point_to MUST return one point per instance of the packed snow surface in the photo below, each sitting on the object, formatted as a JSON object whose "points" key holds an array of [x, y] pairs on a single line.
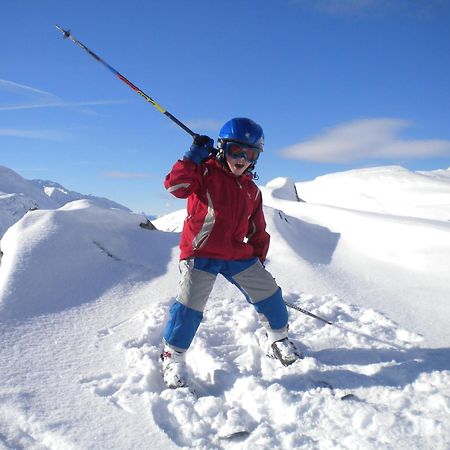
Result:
{"points": [[85, 292]]}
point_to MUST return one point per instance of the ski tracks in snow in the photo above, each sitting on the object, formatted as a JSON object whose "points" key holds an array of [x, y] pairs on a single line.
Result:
{"points": [[239, 390]]}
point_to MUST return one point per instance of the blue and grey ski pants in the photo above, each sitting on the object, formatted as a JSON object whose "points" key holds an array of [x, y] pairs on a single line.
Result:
{"points": [[197, 280]]}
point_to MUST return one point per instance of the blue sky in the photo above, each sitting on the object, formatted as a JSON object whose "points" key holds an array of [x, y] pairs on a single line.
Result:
{"points": [[336, 84]]}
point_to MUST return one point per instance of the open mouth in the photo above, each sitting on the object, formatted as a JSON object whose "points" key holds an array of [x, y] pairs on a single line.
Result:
{"points": [[239, 165]]}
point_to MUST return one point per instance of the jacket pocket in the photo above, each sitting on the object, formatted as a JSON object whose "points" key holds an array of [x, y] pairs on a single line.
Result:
{"points": [[200, 240]]}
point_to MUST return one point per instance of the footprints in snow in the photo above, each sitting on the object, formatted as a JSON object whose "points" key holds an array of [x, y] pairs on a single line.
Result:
{"points": [[235, 379], [19, 429]]}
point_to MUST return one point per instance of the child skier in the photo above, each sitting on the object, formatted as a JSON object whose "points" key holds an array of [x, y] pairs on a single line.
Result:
{"points": [[224, 232]]}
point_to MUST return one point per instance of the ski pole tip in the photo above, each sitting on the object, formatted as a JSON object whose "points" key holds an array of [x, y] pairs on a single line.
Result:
{"points": [[66, 33]]}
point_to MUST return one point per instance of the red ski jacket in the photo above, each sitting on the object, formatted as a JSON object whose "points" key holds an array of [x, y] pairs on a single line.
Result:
{"points": [[225, 217]]}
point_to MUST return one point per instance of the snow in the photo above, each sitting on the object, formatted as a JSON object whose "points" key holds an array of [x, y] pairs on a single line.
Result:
{"points": [[61, 195], [85, 291], [18, 195], [387, 190]]}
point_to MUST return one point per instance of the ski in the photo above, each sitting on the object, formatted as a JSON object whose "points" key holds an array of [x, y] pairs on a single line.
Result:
{"points": [[238, 425], [238, 434], [321, 384]]}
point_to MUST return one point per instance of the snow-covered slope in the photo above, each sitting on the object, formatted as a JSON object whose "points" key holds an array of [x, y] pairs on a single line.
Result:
{"points": [[387, 190], [85, 292], [171, 222], [392, 263]]}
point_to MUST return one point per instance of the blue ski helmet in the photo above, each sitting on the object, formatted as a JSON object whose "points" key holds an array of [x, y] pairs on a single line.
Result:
{"points": [[243, 131]]}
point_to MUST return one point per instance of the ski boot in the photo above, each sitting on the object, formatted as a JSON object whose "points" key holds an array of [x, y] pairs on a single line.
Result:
{"points": [[285, 351], [174, 368], [280, 347]]}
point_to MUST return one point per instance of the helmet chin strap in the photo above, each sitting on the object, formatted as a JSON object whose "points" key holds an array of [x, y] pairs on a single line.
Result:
{"points": [[250, 170]]}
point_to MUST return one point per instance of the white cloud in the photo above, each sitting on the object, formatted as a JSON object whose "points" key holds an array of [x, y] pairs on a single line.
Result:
{"points": [[59, 104], [367, 8], [49, 135], [22, 88], [365, 139], [42, 99]]}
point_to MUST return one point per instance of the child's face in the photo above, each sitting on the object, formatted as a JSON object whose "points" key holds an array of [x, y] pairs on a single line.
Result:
{"points": [[237, 166]]}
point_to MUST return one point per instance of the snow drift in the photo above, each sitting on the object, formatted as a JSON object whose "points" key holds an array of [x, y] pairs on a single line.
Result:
{"points": [[55, 259]]}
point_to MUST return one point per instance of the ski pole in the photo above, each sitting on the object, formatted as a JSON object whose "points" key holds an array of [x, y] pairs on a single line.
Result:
{"points": [[307, 313], [68, 34]]}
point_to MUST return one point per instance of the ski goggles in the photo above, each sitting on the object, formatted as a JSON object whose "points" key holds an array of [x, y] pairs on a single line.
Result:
{"points": [[236, 151]]}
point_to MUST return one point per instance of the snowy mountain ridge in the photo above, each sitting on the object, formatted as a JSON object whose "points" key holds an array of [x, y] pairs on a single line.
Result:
{"points": [[62, 196], [85, 293], [18, 195]]}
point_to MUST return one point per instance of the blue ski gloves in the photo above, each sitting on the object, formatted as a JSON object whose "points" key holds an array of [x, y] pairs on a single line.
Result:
{"points": [[201, 149]]}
